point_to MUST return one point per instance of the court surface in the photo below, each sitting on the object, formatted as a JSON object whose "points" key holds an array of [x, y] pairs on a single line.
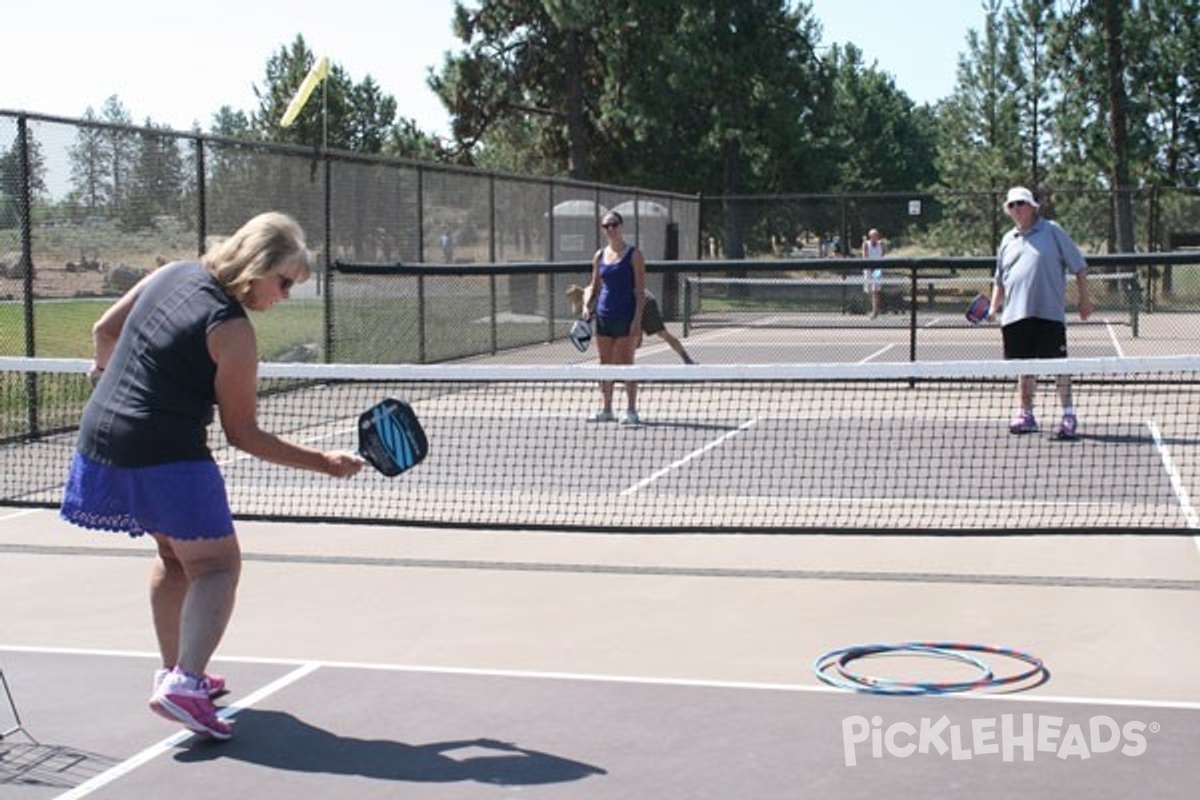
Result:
{"points": [[779, 338], [693, 460], [383, 661]]}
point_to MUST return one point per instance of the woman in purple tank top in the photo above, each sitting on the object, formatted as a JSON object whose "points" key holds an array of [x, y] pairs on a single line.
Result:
{"points": [[619, 284]]}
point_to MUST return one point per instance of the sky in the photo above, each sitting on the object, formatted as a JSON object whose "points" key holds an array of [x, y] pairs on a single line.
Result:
{"points": [[180, 67]]}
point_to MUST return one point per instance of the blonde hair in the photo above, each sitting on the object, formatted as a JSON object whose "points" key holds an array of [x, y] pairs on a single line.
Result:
{"points": [[268, 243]]}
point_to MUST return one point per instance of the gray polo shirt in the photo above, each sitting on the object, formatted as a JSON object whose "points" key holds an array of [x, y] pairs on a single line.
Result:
{"points": [[1032, 268]]}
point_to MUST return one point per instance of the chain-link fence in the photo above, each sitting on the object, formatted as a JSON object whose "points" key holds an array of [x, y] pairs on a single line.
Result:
{"points": [[948, 223], [960, 224], [87, 208]]}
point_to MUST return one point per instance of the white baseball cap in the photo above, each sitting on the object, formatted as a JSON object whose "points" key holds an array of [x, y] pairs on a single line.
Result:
{"points": [[1022, 194]]}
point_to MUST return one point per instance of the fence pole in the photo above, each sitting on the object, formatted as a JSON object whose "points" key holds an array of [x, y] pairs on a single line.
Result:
{"points": [[495, 305], [25, 211], [1135, 301]]}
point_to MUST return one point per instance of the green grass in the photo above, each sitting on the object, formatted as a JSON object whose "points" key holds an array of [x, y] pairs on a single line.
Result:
{"points": [[388, 330], [60, 400], [63, 328], [287, 326], [371, 330]]}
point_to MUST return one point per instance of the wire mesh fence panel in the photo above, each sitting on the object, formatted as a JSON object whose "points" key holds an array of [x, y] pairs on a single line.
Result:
{"points": [[88, 207]]}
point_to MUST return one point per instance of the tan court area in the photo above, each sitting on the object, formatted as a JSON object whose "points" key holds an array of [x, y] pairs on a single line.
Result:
{"points": [[389, 662]]}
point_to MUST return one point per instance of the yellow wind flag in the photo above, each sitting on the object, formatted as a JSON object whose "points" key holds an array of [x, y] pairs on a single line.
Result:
{"points": [[314, 76]]}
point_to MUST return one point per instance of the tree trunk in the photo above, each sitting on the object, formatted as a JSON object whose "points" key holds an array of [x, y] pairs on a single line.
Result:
{"points": [[1122, 199], [732, 180], [577, 137]]}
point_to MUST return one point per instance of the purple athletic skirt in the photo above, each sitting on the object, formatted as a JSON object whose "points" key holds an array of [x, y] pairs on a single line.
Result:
{"points": [[181, 500]]}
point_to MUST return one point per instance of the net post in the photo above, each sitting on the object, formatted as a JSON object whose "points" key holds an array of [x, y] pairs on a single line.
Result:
{"points": [[912, 314], [421, 319], [32, 417], [687, 305], [549, 307], [494, 315], [1135, 301]]}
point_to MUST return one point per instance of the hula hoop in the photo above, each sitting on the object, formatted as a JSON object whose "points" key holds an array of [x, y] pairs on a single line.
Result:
{"points": [[848, 677], [833, 668]]}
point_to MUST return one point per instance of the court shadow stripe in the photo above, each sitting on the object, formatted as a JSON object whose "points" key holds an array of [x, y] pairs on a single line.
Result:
{"points": [[651, 570]]}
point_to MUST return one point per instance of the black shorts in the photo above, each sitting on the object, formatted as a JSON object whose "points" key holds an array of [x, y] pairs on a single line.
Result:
{"points": [[609, 326], [1035, 338], [652, 321]]}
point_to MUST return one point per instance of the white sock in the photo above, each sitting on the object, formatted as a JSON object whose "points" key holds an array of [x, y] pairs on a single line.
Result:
{"points": [[180, 679]]}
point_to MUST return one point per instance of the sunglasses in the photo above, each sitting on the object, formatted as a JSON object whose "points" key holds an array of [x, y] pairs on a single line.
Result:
{"points": [[1016, 204], [610, 225], [286, 283]]}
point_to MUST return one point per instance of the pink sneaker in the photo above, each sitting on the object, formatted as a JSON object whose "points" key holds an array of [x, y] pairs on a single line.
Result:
{"points": [[1068, 429], [1023, 422], [181, 698], [213, 684]]}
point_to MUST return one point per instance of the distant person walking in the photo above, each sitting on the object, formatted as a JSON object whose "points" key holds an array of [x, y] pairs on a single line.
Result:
{"points": [[873, 249], [1030, 285]]}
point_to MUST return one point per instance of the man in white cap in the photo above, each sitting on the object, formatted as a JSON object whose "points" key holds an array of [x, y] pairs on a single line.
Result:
{"points": [[1030, 286]]}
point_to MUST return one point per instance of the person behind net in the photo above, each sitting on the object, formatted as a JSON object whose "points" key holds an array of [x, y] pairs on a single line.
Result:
{"points": [[873, 249], [178, 343], [653, 325], [1030, 285], [618, 284], [652, 321]]}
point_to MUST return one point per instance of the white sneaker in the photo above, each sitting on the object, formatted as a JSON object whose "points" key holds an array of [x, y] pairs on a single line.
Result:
{"points": [[630, 417], [604, 415]]}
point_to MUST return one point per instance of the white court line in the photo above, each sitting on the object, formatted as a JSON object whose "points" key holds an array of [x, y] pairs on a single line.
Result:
{"points": [[643, 680], [308, 666], [734, 330], [877, 353], [1112, 337], [154, 751], [1181, 492], [694, 454], [708, 336], [241, 455], [655, 349], [24, 512]]}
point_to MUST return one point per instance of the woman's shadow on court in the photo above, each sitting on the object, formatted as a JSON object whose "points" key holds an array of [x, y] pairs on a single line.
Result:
{"points": [[281, 741]]}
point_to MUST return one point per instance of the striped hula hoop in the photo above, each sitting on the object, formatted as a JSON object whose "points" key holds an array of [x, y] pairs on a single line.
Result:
{"points": [[833, 668]]}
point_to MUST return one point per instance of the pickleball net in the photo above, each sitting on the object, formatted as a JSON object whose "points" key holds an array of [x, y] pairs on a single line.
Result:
{"points": [[809, 300], [877, 448]]}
